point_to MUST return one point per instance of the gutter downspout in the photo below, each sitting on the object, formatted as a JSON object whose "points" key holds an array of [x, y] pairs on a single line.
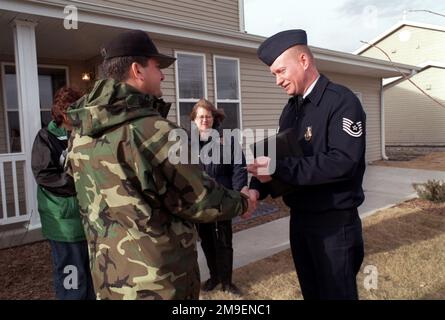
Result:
{"points": [[382, 110], [382, 122]]}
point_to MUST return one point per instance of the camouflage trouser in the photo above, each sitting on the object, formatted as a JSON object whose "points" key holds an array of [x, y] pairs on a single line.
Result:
{"points": [[192, 285], [186, 287]]}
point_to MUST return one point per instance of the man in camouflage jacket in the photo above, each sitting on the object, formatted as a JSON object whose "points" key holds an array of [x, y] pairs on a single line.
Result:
{"points": [[138, 209]]}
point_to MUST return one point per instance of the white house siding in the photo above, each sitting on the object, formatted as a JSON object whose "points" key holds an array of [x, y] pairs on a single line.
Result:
{"points": [[222, 14], [423, 44], [411, 117]]}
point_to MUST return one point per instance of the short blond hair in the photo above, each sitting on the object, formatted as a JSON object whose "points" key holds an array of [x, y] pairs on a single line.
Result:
{"points": [[300, 48]]}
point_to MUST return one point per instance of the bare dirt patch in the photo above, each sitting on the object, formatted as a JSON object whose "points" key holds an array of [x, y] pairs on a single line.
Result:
{"points": [[415, 158], [26, 272]]}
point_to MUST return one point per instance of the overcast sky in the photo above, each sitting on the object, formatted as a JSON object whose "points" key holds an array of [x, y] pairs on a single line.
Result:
{"points": [[337, 25]]}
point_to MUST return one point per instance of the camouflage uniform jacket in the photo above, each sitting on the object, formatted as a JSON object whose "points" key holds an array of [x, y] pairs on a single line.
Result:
{"points": [[138, 209]]}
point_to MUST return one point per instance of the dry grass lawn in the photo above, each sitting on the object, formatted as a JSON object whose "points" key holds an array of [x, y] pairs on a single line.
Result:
{"points": [[405, 243]]}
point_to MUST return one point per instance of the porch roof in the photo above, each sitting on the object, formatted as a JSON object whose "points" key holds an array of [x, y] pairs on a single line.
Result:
{"points": [[98, 24]]}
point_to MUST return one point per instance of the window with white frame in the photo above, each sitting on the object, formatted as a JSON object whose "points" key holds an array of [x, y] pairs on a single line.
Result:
{"points": [[227, 90], [191, 84], [50, 80]]}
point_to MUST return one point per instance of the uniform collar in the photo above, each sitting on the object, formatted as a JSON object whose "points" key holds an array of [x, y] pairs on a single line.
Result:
{"points": [[318, 90], [309, 90]]}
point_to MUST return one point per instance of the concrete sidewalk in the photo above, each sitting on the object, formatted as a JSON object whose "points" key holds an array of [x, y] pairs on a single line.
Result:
{"points": [[383, 186]]}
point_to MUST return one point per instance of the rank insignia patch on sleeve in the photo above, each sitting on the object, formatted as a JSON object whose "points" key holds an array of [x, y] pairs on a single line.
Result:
{"points": [[352, 128]]}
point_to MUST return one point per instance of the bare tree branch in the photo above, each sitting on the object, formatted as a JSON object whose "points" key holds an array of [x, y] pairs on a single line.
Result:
{"points": [[403, 75], [429, 11]]}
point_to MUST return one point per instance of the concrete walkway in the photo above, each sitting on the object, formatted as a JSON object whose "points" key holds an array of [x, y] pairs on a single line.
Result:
{"points": [[384, 187]]}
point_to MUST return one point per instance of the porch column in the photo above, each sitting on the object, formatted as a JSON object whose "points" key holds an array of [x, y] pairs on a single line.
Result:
{"points": [[29, 104]]}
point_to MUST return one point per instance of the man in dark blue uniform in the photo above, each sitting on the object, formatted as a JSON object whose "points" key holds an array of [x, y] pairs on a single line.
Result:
{"points": [[325, 229]]}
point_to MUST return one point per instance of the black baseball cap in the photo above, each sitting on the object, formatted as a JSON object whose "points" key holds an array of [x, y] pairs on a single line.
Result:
{"points": [[135, 43]]}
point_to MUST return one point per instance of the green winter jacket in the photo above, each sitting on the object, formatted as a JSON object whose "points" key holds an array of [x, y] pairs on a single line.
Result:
{"points": [[56, 195]]}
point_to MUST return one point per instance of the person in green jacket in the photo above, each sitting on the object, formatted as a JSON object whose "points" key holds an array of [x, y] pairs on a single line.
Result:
{"points": [[58, 206]]}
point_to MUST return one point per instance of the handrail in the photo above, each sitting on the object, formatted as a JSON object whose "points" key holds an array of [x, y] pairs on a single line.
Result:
{"points": [[7, 157], [13, 159]]}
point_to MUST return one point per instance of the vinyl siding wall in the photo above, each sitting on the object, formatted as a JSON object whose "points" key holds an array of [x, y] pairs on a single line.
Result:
{"points": [[411, 117], [422, 45], [223, 14], [262, 101]]}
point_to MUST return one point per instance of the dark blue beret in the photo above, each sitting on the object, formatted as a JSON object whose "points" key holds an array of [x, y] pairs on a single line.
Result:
{"points": [[135, 43], [275, 45]]}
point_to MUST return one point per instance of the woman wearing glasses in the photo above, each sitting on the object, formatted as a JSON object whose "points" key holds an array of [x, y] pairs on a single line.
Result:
{"points": [[216, 237]]}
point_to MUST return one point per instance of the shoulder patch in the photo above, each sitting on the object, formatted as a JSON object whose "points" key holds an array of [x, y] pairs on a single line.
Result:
{"points": [[354, 129]]}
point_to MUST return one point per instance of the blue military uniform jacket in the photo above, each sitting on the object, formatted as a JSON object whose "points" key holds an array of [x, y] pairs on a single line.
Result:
{"points": [[231, 175], [331, 127]]}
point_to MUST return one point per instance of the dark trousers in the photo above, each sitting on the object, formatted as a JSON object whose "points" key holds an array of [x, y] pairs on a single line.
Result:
{"points": [[327, 256], [216, 242], [71, 271]]}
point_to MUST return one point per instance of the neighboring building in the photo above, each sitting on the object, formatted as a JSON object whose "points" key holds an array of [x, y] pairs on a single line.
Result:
{"points": [[411, 117], [216, 59]]}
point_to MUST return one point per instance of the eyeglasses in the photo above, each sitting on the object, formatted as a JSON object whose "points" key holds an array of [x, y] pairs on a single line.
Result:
{"points": [[205, 117]]}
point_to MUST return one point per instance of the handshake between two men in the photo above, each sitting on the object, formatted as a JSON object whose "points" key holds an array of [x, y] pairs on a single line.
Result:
{"points": [[260, 169]]}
